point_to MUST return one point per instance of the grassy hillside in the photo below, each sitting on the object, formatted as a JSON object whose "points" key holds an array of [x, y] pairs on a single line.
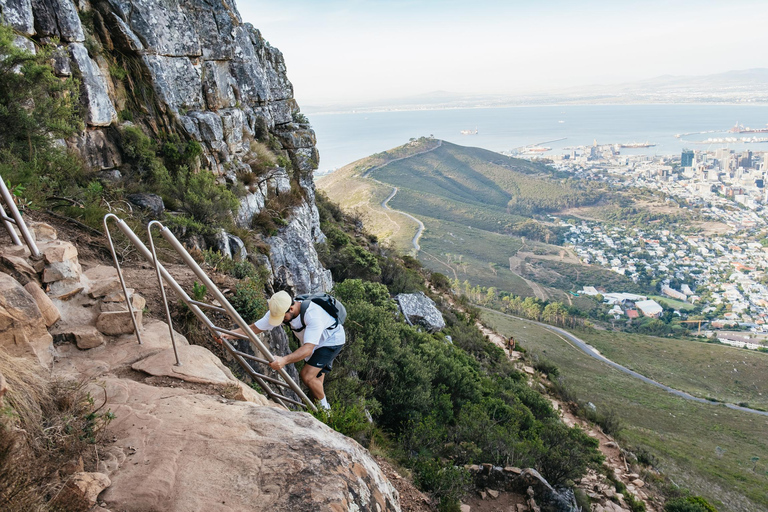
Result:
{"points": [[472, 203], [717, 452]]}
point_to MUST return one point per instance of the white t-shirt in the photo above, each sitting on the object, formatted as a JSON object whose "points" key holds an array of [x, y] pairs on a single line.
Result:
{"points": [[317, 333]]}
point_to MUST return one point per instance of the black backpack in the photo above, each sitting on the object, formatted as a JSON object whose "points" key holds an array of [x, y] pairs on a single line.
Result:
{"points": [[330, 304]]}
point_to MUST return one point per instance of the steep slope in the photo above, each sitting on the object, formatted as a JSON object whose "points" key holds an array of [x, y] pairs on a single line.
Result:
{"points": [[188, 437], [191, 74]]}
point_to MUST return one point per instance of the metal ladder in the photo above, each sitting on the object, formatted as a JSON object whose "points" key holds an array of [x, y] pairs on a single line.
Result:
{"points": [[16, 219], [195, 306]]}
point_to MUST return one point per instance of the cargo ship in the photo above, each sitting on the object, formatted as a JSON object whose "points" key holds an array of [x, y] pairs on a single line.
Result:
{"points": [[637, 145], [740, 128]]}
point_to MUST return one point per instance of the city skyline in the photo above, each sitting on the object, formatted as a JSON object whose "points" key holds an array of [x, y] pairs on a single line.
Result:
{"points": [[342, 51]]}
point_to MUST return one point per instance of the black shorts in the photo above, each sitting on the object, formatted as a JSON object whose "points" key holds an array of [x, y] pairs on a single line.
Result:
{"points": [[323, 358]]}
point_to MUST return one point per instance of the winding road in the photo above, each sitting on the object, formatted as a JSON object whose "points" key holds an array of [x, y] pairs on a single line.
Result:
{"points": [[591, 351], [419, 231]]}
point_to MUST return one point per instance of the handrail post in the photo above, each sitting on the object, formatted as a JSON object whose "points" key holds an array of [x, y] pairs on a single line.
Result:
{"points": [[9, 225], [8, 198], [128, 300], [162, 288]]}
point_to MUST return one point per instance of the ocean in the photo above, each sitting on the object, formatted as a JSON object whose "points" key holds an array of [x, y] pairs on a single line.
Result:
{"points": [[344, 138]]}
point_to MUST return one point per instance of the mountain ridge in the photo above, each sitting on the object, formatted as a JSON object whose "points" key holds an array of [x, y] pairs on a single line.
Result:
{"points": [[737, 86]]}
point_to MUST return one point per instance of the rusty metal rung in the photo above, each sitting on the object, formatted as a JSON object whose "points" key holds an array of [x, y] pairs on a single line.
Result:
{"points": [[227, 331], [272, 380], [208, 306], [252, 358], [290, 401]]}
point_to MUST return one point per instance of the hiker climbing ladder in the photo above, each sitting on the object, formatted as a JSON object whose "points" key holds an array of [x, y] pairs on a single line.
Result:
{"points": [[196, 307]]}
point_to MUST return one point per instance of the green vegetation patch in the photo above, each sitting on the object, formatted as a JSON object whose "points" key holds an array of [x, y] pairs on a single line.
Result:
{"points": [[706, 448], [706, 370]]}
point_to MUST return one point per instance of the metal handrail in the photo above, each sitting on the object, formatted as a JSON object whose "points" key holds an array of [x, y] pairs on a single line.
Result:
{"points": [[8, 222], [128, 300], [155, 264], [193, 305]]}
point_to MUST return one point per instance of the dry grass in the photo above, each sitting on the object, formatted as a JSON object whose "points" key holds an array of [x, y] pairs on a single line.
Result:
{"points": [[47, 430]]}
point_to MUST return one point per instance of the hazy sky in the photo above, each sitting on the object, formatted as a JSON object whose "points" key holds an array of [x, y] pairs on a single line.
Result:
{"points": [[363, 50]]}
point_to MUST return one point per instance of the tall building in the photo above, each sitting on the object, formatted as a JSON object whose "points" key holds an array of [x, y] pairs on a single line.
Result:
{"points": [[746, 160], [687, 158]]}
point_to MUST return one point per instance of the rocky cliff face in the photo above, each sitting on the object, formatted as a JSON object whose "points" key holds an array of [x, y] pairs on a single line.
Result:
{"points": [[196, 70]]}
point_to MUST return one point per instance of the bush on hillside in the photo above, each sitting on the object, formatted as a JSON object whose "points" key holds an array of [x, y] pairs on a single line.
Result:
{"points": [[689, 504]]}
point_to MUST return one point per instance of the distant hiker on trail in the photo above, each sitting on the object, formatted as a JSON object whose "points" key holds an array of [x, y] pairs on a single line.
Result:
{"points": [[511, 343], [321, 335]]}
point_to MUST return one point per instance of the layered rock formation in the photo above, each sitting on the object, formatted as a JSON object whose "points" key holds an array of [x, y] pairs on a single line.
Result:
{"points": [[196, 70]]}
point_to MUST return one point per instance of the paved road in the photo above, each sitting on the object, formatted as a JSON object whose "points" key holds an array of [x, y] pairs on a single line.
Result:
{"points": [[369, 171], [591, 351], [419, 231]]}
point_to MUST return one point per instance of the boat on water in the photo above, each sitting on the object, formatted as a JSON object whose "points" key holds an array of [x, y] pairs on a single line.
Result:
{"points": [[740, 128], [637, 145], [469, 132]]}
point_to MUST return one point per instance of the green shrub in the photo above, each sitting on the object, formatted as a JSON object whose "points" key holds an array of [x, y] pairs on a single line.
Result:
{"points": [[206, 201], [582, 500], [440, 281], [199, 291], [635, 504], [35, 105], [350, 419], [546, 366], [446, 483], [248, 300], [689, 504], [300, 118]]}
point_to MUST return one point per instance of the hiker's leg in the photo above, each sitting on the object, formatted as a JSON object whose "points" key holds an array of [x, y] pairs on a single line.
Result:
{"points": [[309, 376]]}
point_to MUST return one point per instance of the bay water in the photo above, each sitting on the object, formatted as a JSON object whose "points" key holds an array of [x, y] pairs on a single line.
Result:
{"points": [[346, 137]]}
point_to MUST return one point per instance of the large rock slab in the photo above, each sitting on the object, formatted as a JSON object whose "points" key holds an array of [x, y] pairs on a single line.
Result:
{"points": [[98, 150], [57, 251], [160, 25], [58, 18], [113, 323], [86, 336], [199, 452], [99, 108], [41, 231], [18, 14], [198, 364], [420, 310], [23, 332], [102, 280], [294, 261], [177, 82], [48, 309]]}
